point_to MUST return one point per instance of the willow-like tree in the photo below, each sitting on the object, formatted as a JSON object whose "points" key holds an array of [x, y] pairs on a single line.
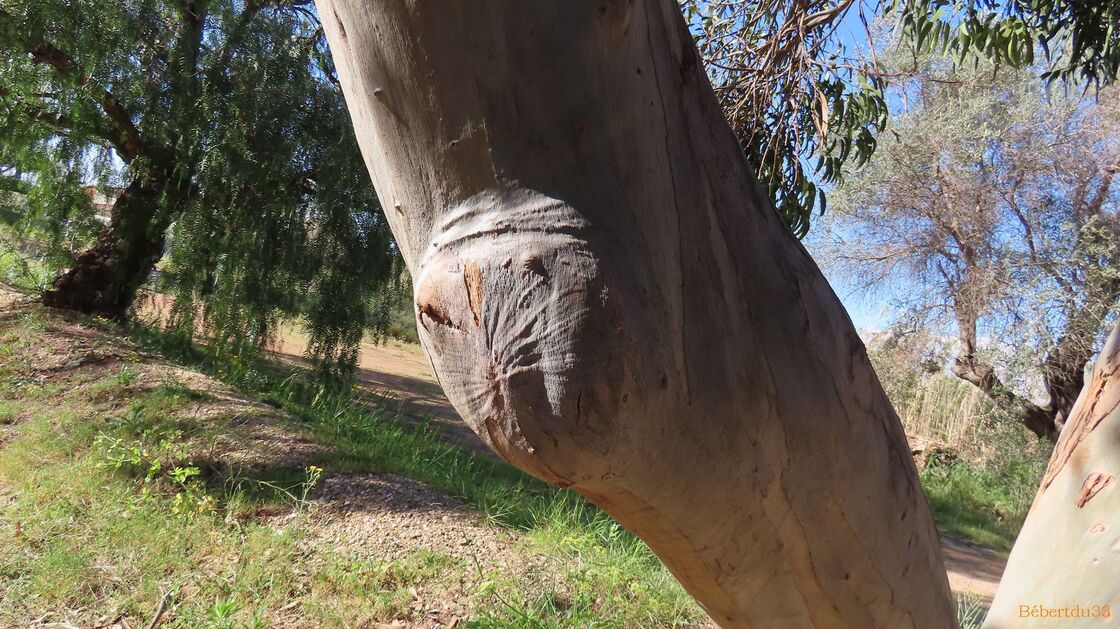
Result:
{"points": [[223, 124]]}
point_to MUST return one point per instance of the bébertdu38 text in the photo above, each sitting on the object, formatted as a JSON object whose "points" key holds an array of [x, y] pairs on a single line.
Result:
{"points": [[1069, 611]]}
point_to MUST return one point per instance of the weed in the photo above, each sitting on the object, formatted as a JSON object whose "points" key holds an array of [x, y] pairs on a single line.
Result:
{"points": [[8, 411], [971, 611], [295, 494], [126, 376], [984, 504]]}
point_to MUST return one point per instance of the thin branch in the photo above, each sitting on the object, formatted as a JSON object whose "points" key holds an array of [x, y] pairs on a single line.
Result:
{"points": [[126, 137], [14, 184]]}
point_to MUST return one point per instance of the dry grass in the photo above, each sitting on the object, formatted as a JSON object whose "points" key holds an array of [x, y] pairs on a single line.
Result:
{"points": [[944, 413]]}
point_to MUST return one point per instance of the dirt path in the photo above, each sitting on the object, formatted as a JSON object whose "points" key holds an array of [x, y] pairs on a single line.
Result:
{"points": [[401, 373]]}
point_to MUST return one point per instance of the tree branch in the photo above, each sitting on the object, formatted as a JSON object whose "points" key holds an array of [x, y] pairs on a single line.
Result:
{"points": [[37, 112], [968, 366], [125, 137], [14, 184]]}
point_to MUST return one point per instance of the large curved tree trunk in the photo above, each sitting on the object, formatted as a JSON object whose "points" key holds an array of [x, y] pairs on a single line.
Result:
{"points": [[610, 302], [1065, 567]]}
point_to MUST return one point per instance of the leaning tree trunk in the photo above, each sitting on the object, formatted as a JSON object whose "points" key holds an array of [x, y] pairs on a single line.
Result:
{"points": [[1065, 567], [104, 279], [611, 303]]}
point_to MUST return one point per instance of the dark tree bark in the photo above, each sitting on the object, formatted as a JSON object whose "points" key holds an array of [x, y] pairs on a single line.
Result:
{"points": [[105, 278]]}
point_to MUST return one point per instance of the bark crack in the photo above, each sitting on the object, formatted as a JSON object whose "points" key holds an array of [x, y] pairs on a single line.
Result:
{"points": [[676, 202]]}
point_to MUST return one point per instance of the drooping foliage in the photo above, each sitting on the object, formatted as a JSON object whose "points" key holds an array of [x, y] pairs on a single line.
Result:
{"points": [[804, 91], [218, 127], [1079, 40], [801, 101]]}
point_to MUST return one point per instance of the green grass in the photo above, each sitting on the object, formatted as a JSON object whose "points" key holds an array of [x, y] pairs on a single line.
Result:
{"points": [[982, 504], [107, 509], [97, 524], [110, 508], [971, 611], [8, 411], [609, 576], [88, 531]]}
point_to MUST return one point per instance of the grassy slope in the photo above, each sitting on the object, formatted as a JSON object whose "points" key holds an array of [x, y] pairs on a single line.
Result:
{"points": [[97, 531]]}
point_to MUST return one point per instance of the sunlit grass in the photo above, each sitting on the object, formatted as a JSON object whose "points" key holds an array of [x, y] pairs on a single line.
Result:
{"points": [[106, 514]]}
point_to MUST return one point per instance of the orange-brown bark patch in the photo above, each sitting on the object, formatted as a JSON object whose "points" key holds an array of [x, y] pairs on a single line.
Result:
{"points": [[472, 277], [1093, 484]]}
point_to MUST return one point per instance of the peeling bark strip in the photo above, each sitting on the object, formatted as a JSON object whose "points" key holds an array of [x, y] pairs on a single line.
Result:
{"points": [[1093, 484], [472, 276], [647, 331]]}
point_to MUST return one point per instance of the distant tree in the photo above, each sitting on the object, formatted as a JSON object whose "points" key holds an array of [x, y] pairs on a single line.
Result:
{"points": [[222, 121], [994, 211], [802, 88]]}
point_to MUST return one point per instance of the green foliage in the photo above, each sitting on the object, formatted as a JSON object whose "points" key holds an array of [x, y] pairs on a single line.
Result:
{"points": [[800, 103], [222, 124], [991, 213], [1081, 41], [982, 503], [23, 272], [804, 103], [399, 316], [980, 470]]}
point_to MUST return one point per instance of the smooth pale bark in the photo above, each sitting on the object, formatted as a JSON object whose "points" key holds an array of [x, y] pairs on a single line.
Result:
{"points": [[1068, 553], [610, 302]]}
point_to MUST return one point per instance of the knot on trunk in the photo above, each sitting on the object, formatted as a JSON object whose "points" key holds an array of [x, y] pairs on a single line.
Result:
{"points": [[512, 277]]}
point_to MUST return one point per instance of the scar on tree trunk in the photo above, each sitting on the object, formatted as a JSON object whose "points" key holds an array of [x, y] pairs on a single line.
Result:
{"points": [[105, 278]]}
